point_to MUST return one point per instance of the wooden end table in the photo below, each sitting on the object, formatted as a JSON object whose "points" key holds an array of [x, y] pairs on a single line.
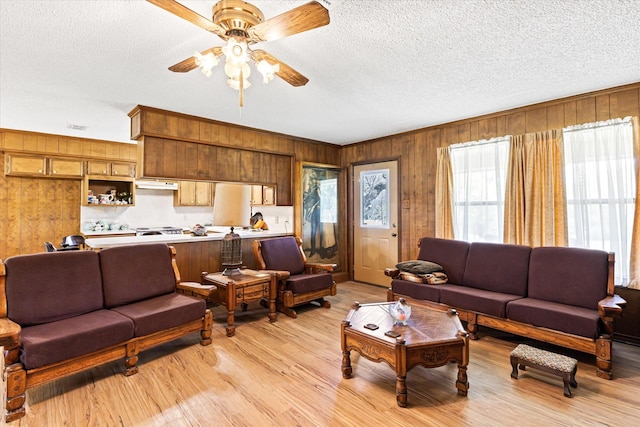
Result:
{"points": [[243, 288], [431, 338]]}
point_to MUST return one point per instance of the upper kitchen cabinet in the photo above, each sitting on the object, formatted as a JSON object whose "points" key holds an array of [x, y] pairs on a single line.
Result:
{"points": [[162, 158], [194, 193], [263, 195], [41, 166], [106, 168]]}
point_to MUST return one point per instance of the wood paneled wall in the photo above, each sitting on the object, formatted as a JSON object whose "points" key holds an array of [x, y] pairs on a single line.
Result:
{"points": [[35, 210], [416, 150], [147, 121]]}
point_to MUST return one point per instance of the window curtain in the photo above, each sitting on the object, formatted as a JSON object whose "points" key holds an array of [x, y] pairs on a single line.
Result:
{"points": [[479, 170], [444, 194], [634, 271], [535, 205], [601, 188]]}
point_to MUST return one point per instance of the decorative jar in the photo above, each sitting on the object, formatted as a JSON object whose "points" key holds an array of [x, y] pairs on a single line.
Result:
{"points": [[400, 311]]}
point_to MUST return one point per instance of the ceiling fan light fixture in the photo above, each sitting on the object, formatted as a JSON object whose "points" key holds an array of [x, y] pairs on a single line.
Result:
{"points": [[236, 50], [267, 70], [205, 62], [235, 83]]}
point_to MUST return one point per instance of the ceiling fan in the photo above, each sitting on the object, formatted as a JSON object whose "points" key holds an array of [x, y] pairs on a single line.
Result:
{"points": [[241, 25]]}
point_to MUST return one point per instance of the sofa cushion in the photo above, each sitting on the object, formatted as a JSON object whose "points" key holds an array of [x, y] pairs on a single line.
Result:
{"points": [[52, 286], [418, 266], [76, 336], [137, 272], [498, 267], [560, 317], [162, 312], [450, 254], [572, 276], [282, 253], [478, 300], [414, 290], [303, 283]]}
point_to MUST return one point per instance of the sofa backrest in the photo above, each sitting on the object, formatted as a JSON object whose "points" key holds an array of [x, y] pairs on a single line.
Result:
{"points": [[136, 272], [50, 286], [571, 276], [282, 253], [450, 254], [498, 267]]}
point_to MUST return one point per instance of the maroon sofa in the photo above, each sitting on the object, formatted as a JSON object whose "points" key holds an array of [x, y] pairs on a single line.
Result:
{"points": [[561, 295], [65, 312]]}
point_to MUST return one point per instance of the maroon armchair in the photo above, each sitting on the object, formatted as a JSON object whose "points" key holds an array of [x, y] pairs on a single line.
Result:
{"points": [[307, 282]]}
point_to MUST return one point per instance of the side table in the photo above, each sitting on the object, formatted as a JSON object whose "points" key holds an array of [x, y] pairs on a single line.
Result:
{"points": [[243, 288]]}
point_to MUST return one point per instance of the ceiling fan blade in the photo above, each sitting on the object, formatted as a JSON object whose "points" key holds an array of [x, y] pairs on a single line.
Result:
{"points": [[187, 14], [190, 63], [286, 73], [302, 18]]}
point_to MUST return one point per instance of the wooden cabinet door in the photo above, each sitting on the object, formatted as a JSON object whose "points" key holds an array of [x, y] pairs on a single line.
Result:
{"points": [[123, 169], [268, 195], [203, 193], [256, 194], [97, 167], [25, 165], [66, 168], [186, 195]]}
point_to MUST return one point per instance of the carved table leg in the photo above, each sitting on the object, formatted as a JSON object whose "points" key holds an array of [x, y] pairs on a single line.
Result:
{"points": [[231, 329], [462, 384], [401, 391], [346, 364]]}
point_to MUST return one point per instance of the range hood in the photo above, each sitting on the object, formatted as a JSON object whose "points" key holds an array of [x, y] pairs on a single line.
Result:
{"points": [[157, 185]]}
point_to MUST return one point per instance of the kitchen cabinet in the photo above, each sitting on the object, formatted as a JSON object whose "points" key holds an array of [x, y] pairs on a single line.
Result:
{"points": [[194, 193], [263, 195], [95, 185], [41, 166], [106, 168]]}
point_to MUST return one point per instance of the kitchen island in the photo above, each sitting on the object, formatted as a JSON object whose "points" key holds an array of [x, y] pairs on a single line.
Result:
{"points": [[194, 254]]}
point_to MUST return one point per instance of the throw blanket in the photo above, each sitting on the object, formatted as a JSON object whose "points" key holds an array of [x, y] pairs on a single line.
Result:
{"points": [[435, 278]]}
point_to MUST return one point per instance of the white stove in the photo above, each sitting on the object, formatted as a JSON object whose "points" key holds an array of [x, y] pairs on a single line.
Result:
{"points": [[146, 231]]}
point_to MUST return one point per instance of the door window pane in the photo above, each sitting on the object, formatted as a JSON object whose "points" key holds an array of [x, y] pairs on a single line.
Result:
{"points": [[374, 198]]}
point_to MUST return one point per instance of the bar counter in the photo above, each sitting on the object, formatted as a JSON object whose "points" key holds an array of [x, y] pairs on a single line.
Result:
{"points": [[194, 254]]}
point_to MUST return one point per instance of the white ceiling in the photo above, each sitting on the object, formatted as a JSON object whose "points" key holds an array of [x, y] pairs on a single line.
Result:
{"points": [[380, 67]]}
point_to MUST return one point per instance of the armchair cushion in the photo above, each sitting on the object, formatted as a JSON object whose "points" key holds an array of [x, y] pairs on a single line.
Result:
{"points": [[137, 272], [282, 253], [303, 283]]}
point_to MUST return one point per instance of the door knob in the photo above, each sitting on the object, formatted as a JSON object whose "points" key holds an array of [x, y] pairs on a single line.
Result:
{"points": [[394, 234]]}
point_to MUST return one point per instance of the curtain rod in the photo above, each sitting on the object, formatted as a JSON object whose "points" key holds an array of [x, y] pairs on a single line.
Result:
{"points": [[618, 122]]}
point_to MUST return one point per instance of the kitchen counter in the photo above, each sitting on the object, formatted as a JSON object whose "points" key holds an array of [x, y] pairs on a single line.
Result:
{"points": [[107, 242]]}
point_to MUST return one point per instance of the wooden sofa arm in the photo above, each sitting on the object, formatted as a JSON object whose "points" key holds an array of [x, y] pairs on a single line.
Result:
{"points": [[10, 335], [611, 306], [316, 267], [391, 272]]}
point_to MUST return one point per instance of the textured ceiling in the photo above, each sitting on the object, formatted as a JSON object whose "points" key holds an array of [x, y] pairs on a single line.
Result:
{"points": [[379, 68]]}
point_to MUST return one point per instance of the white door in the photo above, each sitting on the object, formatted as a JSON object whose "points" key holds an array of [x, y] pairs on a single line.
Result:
{"points": [[375, 210]]}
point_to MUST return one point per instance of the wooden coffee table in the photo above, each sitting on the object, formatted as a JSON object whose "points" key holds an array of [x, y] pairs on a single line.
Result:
{"points": [[249, 286], [431, 339]]}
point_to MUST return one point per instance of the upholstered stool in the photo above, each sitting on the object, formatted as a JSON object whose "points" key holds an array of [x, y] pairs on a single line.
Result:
{"points": [[547, 361]]}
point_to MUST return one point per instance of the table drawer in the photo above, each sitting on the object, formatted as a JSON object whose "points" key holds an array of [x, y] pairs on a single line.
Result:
{"points": [[254, 292]]}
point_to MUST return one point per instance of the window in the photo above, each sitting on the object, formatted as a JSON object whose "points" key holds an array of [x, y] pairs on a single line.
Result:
{"points": [[601, 188], [479, 171], [374, 198]]}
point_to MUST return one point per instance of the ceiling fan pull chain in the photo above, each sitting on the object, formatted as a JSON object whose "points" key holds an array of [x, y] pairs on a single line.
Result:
{"points": [[241, 87]]}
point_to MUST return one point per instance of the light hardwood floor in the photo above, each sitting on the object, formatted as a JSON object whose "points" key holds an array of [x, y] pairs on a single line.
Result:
{"points": [[288, 374]]}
